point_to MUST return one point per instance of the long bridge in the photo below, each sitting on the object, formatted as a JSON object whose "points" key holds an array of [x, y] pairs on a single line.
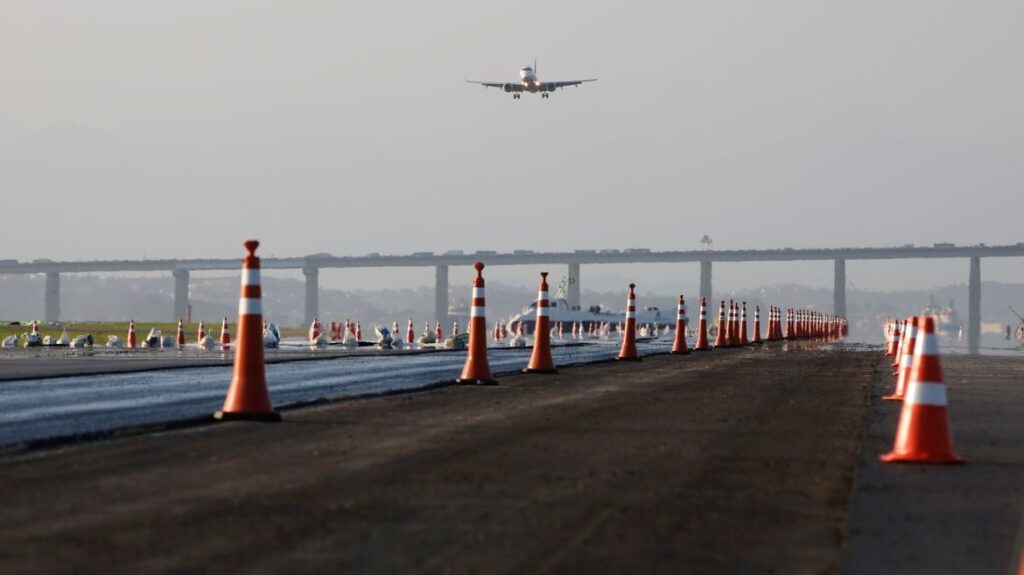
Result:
{"points": [[311, 265]]}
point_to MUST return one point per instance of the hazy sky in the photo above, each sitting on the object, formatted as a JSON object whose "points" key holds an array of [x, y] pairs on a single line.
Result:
{"points": [[175, 129]]}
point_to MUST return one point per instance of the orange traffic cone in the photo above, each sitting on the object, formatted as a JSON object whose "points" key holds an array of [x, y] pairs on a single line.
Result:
{"points": [[628, 351], [180, 336], [540, 359], [225, 336], [702, 328], [35, 327], [720, 338], [476, 370], [743, 325], [736, 339], [679, 344], [248, 397], [202, 331], [131, 333], [757, 326], [899, 345], [438, 335], [727, 341], [455, 328], [894, 336], [923, 434], [906, 361], [410, 334]]}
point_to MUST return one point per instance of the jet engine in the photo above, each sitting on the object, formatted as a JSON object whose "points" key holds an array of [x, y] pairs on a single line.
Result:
{"points": [[507, 87]]}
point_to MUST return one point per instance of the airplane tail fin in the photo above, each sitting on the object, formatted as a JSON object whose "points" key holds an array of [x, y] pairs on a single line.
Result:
{"points": [[535, 68]]}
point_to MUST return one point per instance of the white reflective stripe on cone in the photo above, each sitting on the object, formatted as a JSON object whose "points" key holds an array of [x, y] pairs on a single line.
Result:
{"points": [[926, 393], [250, 276], [478, 292], [542, 295], [542, 312], [929, 345], [476, 311], [250, 306]]}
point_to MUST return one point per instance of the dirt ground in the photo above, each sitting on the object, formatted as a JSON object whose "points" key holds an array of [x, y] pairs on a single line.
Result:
{"points": [[736, 461]]}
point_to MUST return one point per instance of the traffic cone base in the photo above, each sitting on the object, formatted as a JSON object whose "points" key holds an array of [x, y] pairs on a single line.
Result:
{"points": [[932, 447], [243, 416], [540, 370]]}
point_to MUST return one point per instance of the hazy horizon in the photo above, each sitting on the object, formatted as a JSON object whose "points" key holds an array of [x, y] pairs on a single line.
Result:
{"points": [[174, 131]]}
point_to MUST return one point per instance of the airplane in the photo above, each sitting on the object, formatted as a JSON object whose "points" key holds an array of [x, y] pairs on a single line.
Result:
{"points": [[528, 82]]}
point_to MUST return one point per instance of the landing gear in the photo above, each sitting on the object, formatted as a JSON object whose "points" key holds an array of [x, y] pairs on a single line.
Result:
{"points": [[545, 95], [516, 96]]}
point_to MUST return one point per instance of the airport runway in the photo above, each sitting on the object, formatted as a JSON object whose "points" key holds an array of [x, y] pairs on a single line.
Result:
{"points": [[755, 460], [40, 409]]}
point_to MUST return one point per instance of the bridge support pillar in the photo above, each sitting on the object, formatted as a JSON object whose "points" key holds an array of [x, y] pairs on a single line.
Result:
{"points": [[705, 282], [312, 293], [974, 306], [839, 289], [572, 295], [51, 307], [441, 296], [180, 294]]}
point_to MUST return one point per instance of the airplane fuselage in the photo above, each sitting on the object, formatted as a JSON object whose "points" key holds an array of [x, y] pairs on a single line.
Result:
{"points": [[528, 78]]}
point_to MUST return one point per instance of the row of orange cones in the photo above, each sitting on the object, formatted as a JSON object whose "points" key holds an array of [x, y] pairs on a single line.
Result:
{"points": [[923, 434], [225, 335], [249, 398], [732, 326]]}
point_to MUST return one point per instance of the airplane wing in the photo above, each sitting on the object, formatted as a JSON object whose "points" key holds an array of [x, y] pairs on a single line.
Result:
{"points": [[565, 83], [514, 86]]}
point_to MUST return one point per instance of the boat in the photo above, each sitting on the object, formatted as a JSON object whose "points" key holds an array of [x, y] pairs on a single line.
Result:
{"points": [[559, 310], [1019, 334], [947, 321]]}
